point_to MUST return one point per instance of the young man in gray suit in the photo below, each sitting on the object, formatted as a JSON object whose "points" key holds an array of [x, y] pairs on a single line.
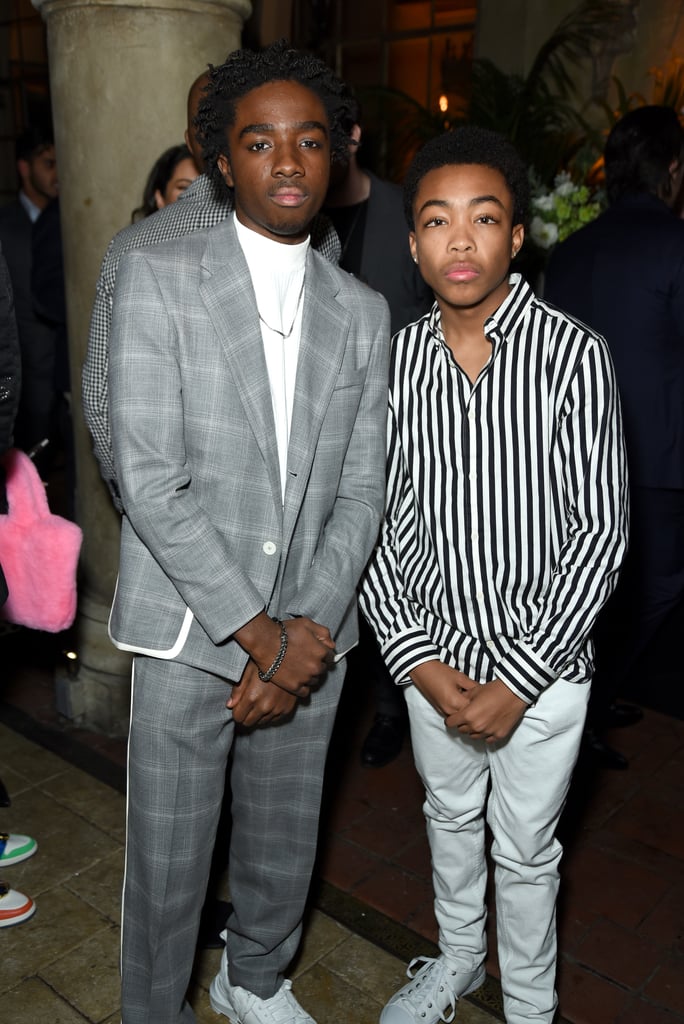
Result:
{"points": [[201, 206], [248, 396]]}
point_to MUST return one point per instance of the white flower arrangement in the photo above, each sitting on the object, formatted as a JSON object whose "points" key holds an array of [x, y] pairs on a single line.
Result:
{"points": [[558, 213]]}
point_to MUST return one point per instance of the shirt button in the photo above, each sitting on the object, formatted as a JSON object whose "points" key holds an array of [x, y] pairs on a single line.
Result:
{"points": [[480, 595], [269, 548], [474, 535], [471, 414], [490, 644]]}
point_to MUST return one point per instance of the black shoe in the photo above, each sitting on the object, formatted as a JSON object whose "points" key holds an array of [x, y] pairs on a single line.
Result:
{"points": [[620, 715], [384, 740], [605, 756], [4, 795]]}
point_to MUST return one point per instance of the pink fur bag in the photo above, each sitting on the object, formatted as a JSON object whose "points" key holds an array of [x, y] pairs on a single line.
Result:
{"points": [[38, 552]]}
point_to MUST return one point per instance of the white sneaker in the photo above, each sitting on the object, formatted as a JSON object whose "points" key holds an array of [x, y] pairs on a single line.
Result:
{"points": [[15, 848], [243, 1007], [14, 906], [432, 994]]}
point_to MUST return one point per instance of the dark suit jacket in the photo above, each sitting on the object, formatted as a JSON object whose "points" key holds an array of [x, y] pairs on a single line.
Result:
{"points": [[10, 383], [10, 367], [386, 264], [36, 337], [623, 275], [47, 286]]}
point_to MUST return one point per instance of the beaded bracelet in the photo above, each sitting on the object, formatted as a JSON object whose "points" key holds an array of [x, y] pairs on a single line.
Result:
{"points": [[267, 676]]}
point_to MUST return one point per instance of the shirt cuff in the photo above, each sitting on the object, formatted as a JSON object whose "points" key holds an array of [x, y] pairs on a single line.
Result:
{"points": [[524, 673], [405, 651]]}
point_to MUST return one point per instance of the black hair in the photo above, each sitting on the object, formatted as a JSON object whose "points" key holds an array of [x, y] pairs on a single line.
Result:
{"points": [[351, 113], [640, 150], [159, 177], [470, 144], [245, 70], [33, 141]]}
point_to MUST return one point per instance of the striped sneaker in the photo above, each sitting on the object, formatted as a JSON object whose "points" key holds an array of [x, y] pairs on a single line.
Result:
{"points": [[14, 906], [14, 848]]}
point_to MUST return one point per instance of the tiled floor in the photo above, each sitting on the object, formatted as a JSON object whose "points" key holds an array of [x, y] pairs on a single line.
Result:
{"points": [[621, 915], [61, 966]]}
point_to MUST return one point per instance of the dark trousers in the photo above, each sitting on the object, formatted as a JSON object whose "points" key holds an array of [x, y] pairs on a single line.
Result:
{"points": [[389, 698], [651, 585]]}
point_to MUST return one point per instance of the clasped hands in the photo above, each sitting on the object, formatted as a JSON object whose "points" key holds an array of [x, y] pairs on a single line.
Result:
{"points": [[482, 711], [309, 650]]}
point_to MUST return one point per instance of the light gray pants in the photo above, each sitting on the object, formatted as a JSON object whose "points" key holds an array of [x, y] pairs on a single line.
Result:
{"points": [[529, 775], [181, 736]]}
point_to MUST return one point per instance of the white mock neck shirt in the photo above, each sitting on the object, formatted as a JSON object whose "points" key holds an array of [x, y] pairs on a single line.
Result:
{"points": [[277, 272]]}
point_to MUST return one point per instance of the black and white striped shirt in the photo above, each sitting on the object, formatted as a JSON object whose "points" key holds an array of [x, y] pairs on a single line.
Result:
{"points": [[506, 518]]}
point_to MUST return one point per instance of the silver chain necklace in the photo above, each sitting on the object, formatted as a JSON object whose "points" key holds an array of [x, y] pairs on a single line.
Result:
{"points": [[286, 334]]}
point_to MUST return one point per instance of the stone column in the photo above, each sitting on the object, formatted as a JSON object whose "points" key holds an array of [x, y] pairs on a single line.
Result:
{"points": [[120, 71]]}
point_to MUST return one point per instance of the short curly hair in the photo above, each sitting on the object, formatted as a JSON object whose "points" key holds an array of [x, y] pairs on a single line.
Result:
{"points": [[245, 70], [470, 144]]}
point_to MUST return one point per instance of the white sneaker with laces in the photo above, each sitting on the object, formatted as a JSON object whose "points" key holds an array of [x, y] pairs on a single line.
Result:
{"points": [[432, 993], [243, 1007]]}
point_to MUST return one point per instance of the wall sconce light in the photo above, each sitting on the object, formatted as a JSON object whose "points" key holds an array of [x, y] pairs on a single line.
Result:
{"points": [[71, 663]]}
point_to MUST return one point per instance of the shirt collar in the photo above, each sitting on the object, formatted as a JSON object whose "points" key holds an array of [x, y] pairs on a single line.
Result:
{"points": [[32, 210], [503, 320]]}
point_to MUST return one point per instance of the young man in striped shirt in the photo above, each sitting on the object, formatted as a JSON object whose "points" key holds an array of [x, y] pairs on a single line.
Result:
{"points": [[505, 527]]}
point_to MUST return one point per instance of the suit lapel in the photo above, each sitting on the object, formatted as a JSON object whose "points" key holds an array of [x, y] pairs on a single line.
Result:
{"points": [[227, 292], [325, 328]]}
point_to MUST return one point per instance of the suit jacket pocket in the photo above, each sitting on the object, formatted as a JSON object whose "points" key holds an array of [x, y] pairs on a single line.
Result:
{"points": [[350, 379], [148, 614]]}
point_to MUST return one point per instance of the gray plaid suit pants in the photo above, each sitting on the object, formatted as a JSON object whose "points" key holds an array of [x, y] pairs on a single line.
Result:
{"points": [[181, 736]]}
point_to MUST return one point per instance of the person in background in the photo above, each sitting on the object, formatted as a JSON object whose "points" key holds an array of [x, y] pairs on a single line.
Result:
{"points": [[10, 371], [37, 169], [623, 274], [368, 215], [173, 172], [15, 907], [49, 301], [505, 526]]}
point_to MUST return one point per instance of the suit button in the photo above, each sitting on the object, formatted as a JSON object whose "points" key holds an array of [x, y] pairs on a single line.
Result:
{"points": [[269, 548]]}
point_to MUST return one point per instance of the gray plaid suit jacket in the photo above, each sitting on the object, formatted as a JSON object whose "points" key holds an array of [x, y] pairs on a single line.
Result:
{"points": [[201, 206], [207, 542]]}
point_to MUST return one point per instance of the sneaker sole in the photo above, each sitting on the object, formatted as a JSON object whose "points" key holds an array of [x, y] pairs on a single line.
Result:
{"points": [[220, 1004], [473, 987], [23, 853], [7, 922]]}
